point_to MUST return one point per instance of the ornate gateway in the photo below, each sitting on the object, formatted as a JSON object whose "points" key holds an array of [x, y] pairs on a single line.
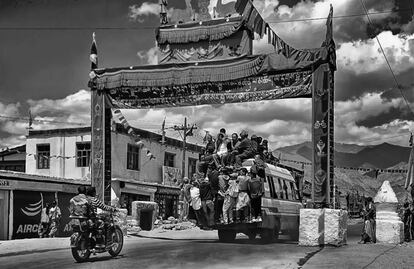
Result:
{"points": [[210, 62]]}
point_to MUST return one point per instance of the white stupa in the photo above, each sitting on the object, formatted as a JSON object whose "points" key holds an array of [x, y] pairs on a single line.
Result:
{"points": [[389, 227], [386, 194]]}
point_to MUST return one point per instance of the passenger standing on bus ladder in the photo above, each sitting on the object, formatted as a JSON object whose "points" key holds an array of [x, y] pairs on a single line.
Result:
{"points": [[223, 183], [213, 177], [243, 200], [230, 197], [256, 191], [196, 204], [207, 201]]}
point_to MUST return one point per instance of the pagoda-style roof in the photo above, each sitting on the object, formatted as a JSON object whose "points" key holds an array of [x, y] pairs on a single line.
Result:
{"points": [[199, 31], [202, 72]]}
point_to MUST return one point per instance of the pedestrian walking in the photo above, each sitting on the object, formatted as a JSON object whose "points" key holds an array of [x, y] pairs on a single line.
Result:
{"points": [[368, 234], [44, 222], [407, 220], [186, 199], [54, 216]]}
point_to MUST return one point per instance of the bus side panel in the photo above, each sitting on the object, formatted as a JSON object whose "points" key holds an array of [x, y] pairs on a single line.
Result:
{"points": [[284, 212]]}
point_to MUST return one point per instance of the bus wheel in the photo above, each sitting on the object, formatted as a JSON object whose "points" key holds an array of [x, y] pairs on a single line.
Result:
{"points": [[226, 236], [267, 235]]}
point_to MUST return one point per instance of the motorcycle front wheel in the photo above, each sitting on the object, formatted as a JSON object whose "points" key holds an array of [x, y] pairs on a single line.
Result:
{"points": [[117, 242], [80, 255]]}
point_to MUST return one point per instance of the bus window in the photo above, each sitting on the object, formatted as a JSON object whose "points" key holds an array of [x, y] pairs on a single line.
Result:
{"points": [[272, 186], [266, 188], [281, 194], [285, 190], [294, 190], [277, 187], [289, 191]]}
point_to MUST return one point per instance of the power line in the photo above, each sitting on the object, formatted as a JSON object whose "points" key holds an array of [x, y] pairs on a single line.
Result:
{"points": [[89, 28], [342, 16], [386, 59]]}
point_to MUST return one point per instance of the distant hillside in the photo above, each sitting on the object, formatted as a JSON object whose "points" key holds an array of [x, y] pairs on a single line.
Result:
{"points": [[347, 155]]}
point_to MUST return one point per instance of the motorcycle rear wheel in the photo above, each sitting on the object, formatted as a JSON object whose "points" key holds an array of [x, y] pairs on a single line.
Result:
{"points": [[117, 242], [80, 255]]}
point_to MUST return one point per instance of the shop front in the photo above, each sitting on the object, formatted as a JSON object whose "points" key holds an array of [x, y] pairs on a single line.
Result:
{"points": [[22, 198], [127, 191], [168, 201]]}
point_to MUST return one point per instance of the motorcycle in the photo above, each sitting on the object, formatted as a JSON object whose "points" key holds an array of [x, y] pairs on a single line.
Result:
{"points": [[91, 238]]}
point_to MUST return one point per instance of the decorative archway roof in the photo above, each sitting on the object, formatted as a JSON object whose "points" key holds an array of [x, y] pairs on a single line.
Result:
{"points": [[195, 32]]}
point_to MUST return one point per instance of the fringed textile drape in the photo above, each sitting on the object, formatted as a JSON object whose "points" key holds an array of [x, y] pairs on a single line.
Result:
{"points": [[194, 73]]}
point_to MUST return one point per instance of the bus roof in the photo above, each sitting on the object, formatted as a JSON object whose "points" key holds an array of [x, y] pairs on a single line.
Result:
{"points": [[272, 170]]}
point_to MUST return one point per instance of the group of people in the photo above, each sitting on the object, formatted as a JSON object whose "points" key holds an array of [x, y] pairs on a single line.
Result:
{"points": [[84, 206], [225, 151], [222, 185], [213, 201], [49, 220]]}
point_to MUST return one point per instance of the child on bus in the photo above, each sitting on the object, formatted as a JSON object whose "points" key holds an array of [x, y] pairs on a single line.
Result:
{"points": [[243, 200]]}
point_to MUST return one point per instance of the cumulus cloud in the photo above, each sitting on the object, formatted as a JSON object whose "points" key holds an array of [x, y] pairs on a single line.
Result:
{"points": [[71, 111], [305, 34], [145, 9], [366, 57], [409, 27], [138, 12], [149, 56], [370, 106]]}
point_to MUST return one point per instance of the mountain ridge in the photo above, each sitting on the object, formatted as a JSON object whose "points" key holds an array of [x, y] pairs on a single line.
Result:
{"points": [[381, 156]]}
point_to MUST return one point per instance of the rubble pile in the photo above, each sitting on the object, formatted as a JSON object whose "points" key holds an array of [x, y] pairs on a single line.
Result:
{"points": [[173, 224]]}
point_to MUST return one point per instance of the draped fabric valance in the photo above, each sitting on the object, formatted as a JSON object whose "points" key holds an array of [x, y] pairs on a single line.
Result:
{"points": [[180, 74], [215, 30]]}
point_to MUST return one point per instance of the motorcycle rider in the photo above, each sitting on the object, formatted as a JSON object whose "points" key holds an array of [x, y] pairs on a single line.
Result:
{"points": [[79, 205], [95, 203]]}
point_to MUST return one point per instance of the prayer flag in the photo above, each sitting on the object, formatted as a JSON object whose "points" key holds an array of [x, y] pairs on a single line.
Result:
{"points": [[94, 54], [329, 27]]}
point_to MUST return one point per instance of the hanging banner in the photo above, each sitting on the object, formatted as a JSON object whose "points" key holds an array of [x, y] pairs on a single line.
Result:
{"points": [[320, 133], [64, 229], [259, 88], [97, 142], [171, 176], [27, 209]]}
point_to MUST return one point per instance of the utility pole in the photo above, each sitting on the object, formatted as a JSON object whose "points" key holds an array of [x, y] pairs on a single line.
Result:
{"points": [[187, 132]]}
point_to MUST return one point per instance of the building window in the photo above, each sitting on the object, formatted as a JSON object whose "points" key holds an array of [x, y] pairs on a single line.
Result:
{"points": [[169, 159], [43, 156], [83, 154], [133, 157], [192, 167]]}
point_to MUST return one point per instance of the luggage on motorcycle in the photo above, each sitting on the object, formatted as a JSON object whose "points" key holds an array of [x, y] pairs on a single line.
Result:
{"points": [[79, 207]]}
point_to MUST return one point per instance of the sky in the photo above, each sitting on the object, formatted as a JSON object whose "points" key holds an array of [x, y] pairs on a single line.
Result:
{"points": [[44, 67]]}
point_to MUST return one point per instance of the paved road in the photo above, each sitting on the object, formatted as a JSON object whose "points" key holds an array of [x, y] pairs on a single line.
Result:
{"points": [[165, 253], [203, 252]]}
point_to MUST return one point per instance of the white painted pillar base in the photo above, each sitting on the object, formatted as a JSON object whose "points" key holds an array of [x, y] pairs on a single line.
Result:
{"points": [[323, 227]]}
